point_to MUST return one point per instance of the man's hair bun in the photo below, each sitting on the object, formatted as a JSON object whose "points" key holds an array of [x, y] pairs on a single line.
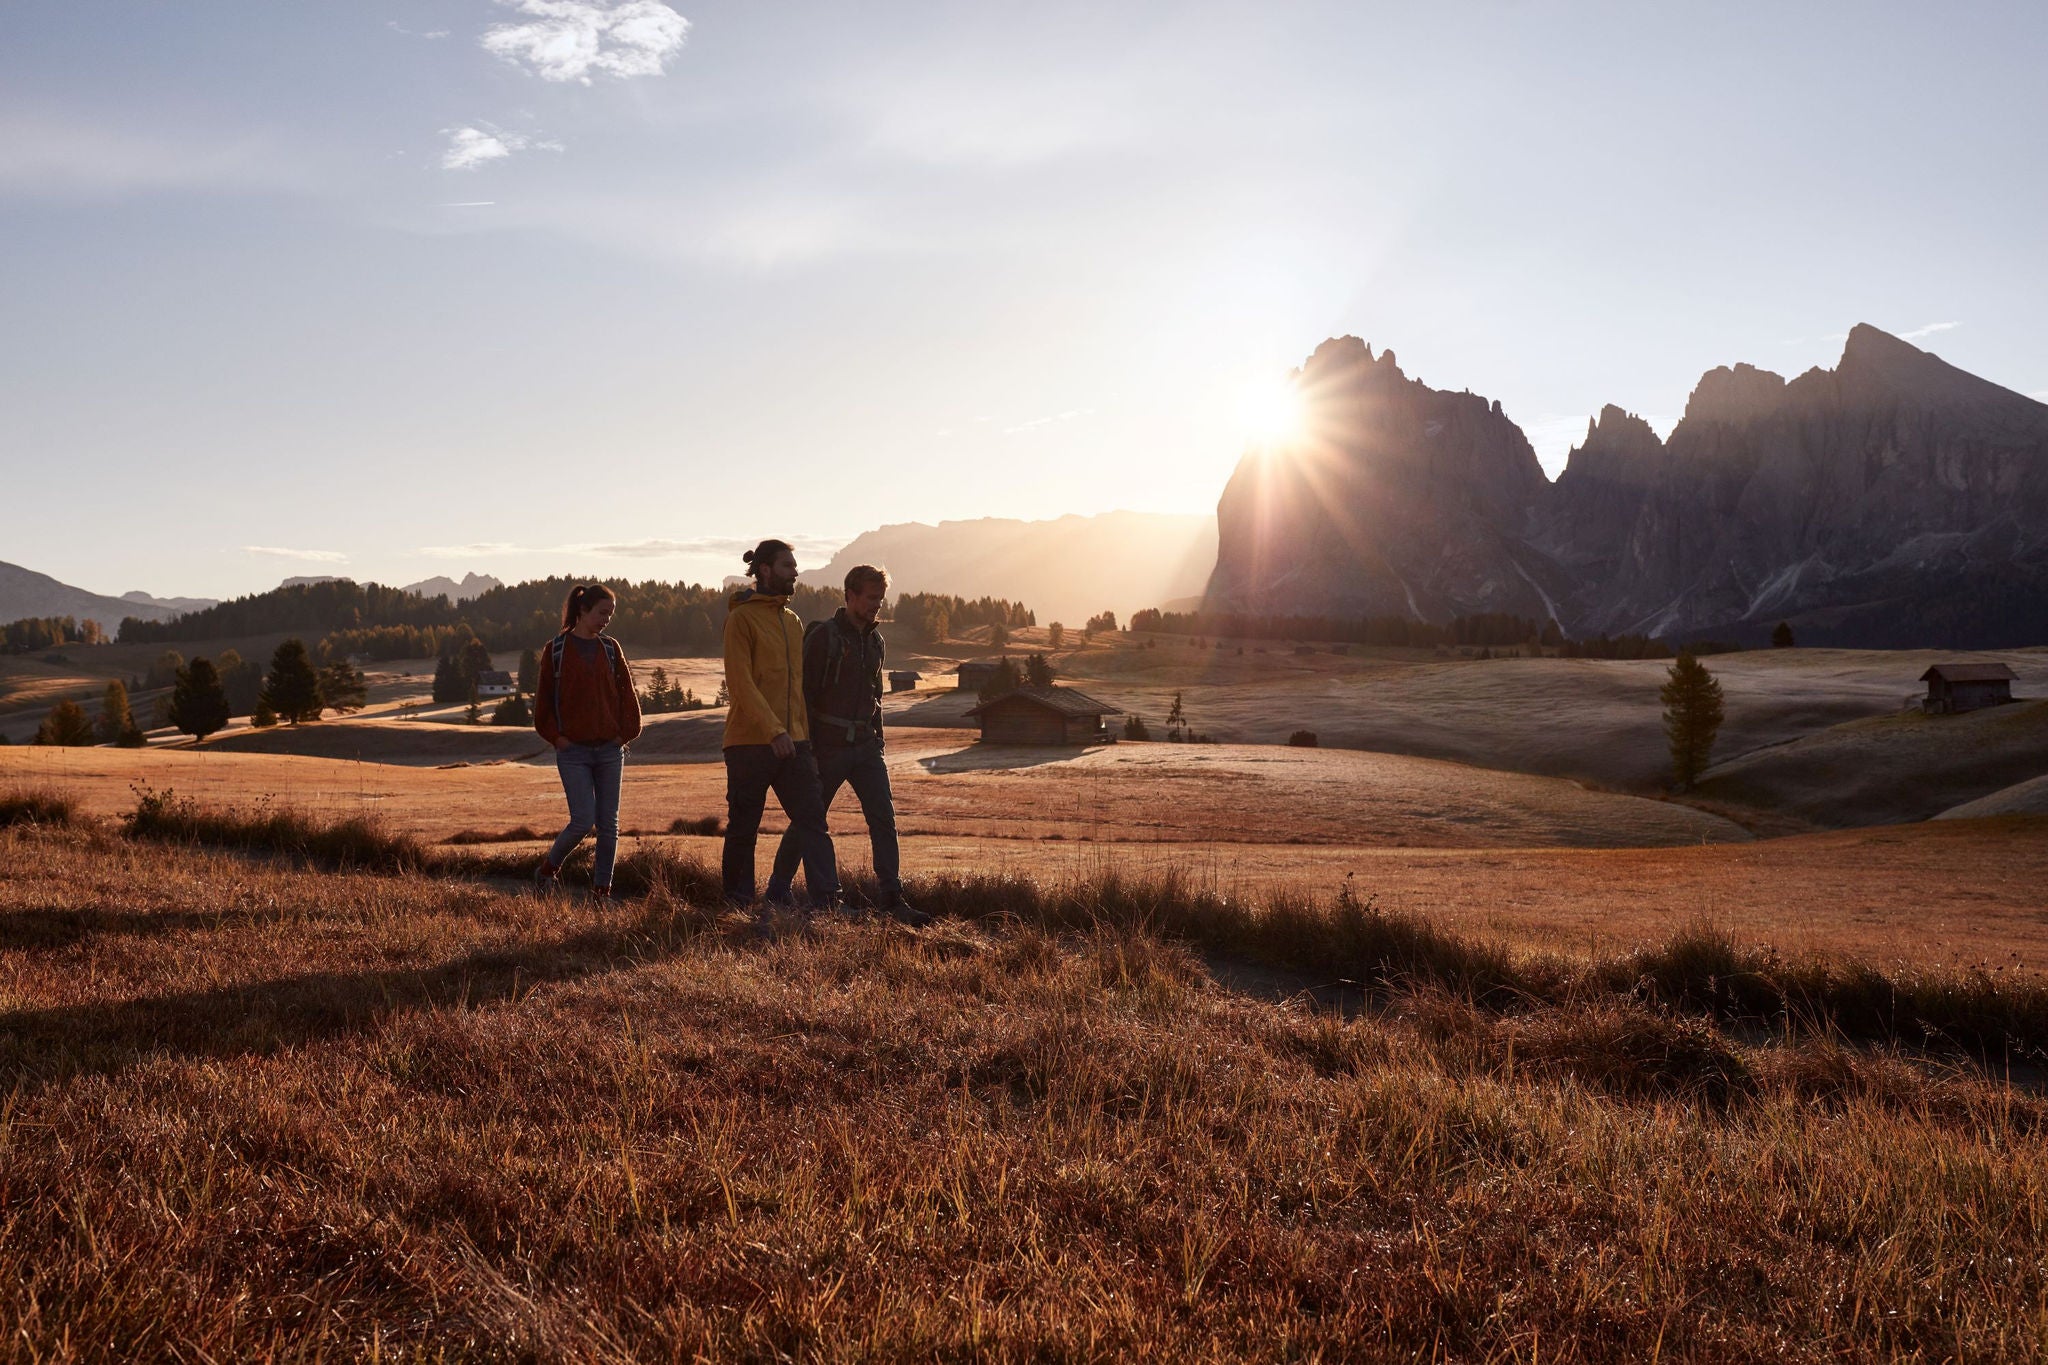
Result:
{"points": [[746, 556]]}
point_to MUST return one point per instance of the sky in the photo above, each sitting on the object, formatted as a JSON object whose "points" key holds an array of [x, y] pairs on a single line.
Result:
{"points": [[392, 288]]}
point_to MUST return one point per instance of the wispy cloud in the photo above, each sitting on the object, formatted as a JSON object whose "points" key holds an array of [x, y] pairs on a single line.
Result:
{"points": [[469, 148], [806, 547], [309, 556], [574, 40], [1037, 422], [1929, 330], [61, 157], [397, 27], [471, 204]]}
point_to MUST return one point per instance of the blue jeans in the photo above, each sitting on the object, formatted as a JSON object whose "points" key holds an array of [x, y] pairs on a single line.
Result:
{"points": [[861, 766], [751, 772], [590, 777]]}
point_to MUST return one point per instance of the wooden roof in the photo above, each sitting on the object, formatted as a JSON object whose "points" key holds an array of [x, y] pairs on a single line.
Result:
{"points": [[1955, 673], [1063, 701]]}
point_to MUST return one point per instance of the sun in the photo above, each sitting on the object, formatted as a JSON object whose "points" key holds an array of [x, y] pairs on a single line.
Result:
{"points": [[1270, 411]]}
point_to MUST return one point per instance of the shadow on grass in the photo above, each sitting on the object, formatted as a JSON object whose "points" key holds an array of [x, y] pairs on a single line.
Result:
{"points": [[45, 930], [41, 1047]]}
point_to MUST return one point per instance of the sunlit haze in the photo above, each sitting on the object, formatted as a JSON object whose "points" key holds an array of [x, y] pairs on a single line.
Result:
{"points": [[396, 288]]}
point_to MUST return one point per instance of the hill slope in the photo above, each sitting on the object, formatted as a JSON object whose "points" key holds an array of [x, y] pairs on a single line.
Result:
{"points": [[1067, 569], [24, 592]]}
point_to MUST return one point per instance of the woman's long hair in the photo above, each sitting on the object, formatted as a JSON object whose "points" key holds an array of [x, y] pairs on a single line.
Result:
{"points": [[583, 599]]}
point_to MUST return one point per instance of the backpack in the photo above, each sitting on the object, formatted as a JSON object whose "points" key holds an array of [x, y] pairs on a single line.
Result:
{"points": [[838, 648], [560, 645]]}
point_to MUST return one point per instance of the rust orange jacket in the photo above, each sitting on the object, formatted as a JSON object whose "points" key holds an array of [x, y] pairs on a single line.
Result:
{"points": [[596, 704]]}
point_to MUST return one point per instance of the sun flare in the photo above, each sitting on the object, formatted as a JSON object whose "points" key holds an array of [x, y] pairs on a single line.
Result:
{"points": [[1270, 411]]}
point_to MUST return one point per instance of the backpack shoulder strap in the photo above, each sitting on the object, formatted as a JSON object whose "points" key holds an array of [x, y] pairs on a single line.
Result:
{"points": [[555, 648]]}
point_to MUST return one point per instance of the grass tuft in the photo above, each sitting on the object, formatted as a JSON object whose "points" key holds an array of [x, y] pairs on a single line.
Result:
{"points": [[37, 806]]}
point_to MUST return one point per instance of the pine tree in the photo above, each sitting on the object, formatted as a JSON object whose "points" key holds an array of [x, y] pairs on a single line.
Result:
{"points": [[448, 684], [724, 694], [1037, 672], [474, 661], [513, 710], [293, 688], [1781, 636], [655, 700], [198, 704], [115, 718], [1692, 717], [998, 635], [263, 717], [475, 712], [342, 689], [1054, 633], [529, 671], [1003, 681], [67, 724]]}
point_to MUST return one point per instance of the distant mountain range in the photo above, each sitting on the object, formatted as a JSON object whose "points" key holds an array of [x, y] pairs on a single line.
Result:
{"points": [[1893, 500], [472, 585], [1066, 569], [24, 592]]}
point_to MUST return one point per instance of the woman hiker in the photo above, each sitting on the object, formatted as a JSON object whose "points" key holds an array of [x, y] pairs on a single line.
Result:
{"points": [[583, 704]]}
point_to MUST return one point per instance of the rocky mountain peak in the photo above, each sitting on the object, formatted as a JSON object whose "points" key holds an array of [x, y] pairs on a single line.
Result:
{"points": [[1619, 446], [1734, 394]]}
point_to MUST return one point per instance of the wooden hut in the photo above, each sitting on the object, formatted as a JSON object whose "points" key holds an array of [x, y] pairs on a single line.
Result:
{"points": [[1965, 687], [1044, 715], [904, 679]]}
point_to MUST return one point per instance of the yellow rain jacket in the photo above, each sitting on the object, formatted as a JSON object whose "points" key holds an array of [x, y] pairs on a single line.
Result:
{"points": [[764, 671]]}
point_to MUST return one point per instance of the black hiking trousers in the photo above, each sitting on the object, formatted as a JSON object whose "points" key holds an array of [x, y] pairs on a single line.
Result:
{"points": [[751, 772]]}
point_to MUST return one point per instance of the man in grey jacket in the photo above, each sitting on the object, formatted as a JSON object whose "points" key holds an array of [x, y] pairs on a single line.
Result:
{"points": [[843, 693]]}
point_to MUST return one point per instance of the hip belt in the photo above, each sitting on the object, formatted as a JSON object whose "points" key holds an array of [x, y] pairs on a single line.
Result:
{"points": [[856, 731]]}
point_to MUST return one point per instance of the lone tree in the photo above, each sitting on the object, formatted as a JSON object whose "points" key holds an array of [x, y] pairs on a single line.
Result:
{"points": [[293, 688], [513, 710], [115, 720], [1176, 717], [342, 688], [1781, 636], [1054, 633], [998, 634], [198, 705], [1692, 717], [67, 724], [529, 671]]}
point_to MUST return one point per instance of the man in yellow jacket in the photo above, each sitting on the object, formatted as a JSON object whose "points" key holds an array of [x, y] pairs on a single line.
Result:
{"points": [[767, 729]]}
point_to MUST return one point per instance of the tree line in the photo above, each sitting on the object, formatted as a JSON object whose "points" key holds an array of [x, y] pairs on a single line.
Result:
{"points": [[1492, 628], [32, 633]]}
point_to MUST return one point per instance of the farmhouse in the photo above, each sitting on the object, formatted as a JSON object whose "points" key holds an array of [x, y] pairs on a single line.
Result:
{"points": [[494, 682], [1044, 715], [904, 680], [1965, 687]]}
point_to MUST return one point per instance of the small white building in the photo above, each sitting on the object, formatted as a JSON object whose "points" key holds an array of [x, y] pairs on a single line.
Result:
{"points": [[494, 682]]}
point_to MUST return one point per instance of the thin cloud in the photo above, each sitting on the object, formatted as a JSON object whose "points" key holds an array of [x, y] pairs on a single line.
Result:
{"points": [[1037, 422], [471, 204], [653, 547], [1929, 330], [469, 148], [397, 27], [575, 40], [309, 556]]}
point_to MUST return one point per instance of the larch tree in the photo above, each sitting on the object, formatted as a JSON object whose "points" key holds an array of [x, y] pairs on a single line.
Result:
{"points": [[1692, 717], [198, 704], [293, 687]]}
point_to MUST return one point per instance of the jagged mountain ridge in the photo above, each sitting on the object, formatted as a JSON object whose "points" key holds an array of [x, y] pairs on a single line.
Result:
{"points": [[1892, 500]]}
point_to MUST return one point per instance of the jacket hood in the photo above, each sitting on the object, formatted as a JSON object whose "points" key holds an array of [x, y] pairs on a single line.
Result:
{"points": [[748, 596]]}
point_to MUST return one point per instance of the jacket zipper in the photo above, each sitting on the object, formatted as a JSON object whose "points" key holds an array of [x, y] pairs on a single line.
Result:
{"points": [[788, 680]]}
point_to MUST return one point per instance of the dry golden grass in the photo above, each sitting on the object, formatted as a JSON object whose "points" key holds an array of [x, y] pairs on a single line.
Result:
{"points": [[258, 1113]]}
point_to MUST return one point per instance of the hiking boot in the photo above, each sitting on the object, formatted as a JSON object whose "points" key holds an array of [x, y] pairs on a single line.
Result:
{"points": [[547, 875], [600, 893], [903, 912]]}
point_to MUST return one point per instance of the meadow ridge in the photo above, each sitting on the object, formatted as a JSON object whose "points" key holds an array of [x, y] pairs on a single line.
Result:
{"points": [[258, 1111]]}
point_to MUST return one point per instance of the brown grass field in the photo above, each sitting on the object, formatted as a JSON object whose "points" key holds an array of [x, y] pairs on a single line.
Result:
{"points": [[254, 1112], [1595, 1076]]}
